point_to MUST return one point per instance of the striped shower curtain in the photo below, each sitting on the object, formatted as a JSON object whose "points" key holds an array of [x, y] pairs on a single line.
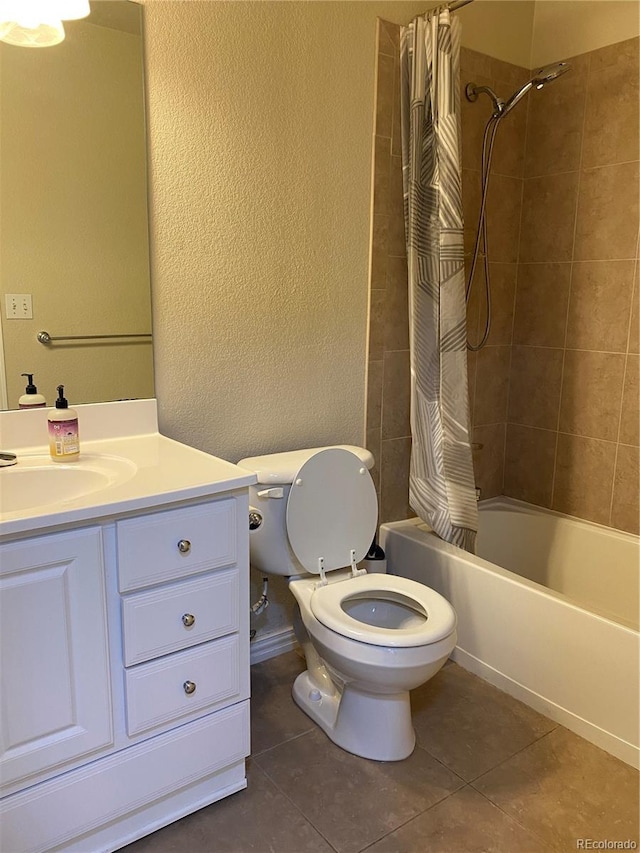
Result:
{"points": [[441, 481]]}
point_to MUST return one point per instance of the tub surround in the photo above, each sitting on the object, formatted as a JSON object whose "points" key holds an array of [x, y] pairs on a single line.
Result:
{"points": [[125, 627], [554, 394], [547, 648]]}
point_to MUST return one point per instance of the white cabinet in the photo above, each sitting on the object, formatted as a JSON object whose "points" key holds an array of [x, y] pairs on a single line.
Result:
{"points": [[125, 674], [56, 696]]}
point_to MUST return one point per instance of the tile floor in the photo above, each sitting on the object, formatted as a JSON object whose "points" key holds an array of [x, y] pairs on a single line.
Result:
{"points": [[488, 774]]}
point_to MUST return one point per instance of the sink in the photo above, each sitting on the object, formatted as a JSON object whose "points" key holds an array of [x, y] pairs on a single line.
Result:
{"points": [[37, 482]]}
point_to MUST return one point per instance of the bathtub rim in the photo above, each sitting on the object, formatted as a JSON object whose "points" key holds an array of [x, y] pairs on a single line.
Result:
{"points": [[506, 503]]}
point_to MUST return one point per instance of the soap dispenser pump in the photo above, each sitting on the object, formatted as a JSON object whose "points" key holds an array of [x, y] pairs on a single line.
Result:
{"points": [[31, 399], [64, 437]]}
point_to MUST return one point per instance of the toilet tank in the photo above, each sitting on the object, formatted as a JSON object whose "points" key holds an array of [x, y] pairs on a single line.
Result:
{"points": [[270, 549]]}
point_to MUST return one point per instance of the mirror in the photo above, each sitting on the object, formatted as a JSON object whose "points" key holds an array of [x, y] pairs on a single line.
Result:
{"points": [[73, 212]]}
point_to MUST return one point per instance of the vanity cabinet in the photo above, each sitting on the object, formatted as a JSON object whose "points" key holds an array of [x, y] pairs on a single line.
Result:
{"points": [[125, 674], [54, 656]]}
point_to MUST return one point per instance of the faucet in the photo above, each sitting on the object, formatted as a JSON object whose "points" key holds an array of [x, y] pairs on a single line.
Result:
{"points": [[7, 458]]}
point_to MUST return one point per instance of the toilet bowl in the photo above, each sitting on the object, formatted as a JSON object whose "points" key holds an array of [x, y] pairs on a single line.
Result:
{"points": [[368, 639]]}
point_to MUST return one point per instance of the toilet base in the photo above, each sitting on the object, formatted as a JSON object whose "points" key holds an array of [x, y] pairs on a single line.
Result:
{"points": [[375, 726]]}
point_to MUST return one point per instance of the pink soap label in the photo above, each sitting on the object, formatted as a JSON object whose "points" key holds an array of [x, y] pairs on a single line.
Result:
{"points": [[63, 438]]}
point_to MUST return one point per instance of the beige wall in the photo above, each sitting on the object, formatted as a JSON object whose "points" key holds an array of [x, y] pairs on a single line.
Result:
{"points": [[563, 28], [260, 121], [74, 217], [502, 29]]}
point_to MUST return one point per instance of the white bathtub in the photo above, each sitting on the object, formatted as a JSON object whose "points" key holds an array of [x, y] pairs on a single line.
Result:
{"points": [[548, 612]]}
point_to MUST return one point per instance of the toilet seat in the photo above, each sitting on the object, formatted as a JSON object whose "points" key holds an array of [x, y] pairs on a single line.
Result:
{"points": [[327, 606]]}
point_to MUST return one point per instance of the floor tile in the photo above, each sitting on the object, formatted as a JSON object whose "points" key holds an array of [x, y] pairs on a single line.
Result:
{"points": [[469, 725], [465, 822], [242, 823], [353, 802], [275, 717], [564, 788]]}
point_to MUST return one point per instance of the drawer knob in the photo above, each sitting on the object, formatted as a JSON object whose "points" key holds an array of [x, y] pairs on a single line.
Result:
{"points": [[189, 687], [188, 620], [184, 546]]}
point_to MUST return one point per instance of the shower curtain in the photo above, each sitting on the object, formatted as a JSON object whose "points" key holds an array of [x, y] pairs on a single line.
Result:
{"points": [[441, 480]]}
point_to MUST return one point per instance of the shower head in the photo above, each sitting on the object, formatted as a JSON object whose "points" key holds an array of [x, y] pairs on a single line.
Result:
{"points": [[540, 78]]}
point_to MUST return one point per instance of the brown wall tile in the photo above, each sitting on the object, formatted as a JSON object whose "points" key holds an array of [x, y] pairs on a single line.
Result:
{"points": [[474, 116], [396, 395], [611, 121], [556, 117], [396, 313], [548, 217], [592, 394], [534, 386], [635, 311], [474, 64], [374, 395], [542, 299], [630, 418], [600, 305], [384, 95], [625, 513], [472, 366], [380, 238], [508, 151], [488, 460], [381, 168], [376, 324], [394, 474], [503, 293], [374, 444], [388, 37], [528, 464], [607, 220], [504, 203], [584, 477], [492, 385]]}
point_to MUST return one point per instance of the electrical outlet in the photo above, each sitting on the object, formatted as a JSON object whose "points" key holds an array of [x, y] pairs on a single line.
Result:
{"points": [[18, 306]]}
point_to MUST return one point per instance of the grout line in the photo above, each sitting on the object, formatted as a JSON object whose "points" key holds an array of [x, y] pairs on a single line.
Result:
{"points": [[573, 261], [297, 808], [573, 349]]}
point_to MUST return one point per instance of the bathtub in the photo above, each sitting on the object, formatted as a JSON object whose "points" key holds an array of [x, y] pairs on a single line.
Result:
{"points": [[547, 612]]}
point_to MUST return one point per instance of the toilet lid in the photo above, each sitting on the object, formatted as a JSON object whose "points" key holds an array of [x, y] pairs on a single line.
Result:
{"points": [[332, 509]]}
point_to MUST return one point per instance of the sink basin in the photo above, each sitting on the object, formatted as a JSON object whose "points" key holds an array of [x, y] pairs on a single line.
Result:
{"points": [[37, 482]]}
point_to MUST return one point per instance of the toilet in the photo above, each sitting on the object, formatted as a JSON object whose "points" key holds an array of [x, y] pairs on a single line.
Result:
{"points": [[368, 639]]}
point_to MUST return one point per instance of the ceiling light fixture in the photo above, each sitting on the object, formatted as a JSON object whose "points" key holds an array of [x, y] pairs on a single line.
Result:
{"points": [[38, 23]]}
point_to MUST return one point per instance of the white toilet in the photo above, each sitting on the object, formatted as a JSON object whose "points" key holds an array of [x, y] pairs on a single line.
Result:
{"points": [[368, 639]]}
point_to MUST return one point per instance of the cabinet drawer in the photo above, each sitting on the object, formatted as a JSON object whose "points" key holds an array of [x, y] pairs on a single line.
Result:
{"points": [[176, 543], [157, 692], [175, 617]]}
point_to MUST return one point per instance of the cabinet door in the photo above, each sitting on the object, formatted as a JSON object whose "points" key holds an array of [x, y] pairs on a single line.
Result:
{"points": [[54, 660]]}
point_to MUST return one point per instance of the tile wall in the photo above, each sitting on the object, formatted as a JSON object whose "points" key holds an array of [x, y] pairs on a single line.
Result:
{"points": [[388, 389], [554, 393], [572, 419]]}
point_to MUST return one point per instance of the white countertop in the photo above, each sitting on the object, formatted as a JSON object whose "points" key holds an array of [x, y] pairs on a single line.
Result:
{"points": [[152, 470]]}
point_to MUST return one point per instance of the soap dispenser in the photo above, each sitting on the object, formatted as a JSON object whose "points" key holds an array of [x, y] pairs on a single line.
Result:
{"points": [[64, 438], [31, 399]]}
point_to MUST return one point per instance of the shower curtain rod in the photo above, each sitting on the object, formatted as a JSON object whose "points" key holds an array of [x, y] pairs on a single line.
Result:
{"points": [[458, 4]]}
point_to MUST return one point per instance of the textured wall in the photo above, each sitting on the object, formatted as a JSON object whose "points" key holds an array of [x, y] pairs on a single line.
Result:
{"points": [[260, 119]]}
